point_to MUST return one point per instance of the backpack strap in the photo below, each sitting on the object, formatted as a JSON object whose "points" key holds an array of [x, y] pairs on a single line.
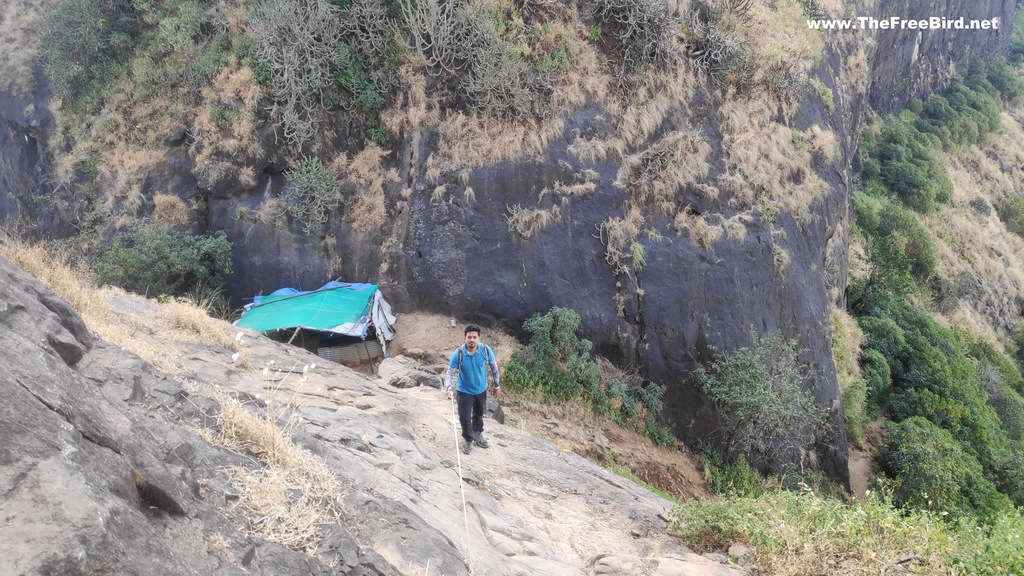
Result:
{"points": [[486, 351]]}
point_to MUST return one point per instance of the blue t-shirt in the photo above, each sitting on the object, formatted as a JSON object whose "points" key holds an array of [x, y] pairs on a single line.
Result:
{"points": [[473, 376]]}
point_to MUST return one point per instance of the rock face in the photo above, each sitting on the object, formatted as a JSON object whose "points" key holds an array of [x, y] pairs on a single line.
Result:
{"points": [[918, 63], [102, 470], [690, 302]]}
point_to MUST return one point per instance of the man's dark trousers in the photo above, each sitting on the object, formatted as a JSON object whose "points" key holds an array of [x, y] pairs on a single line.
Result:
{"points": [[474, 404]]}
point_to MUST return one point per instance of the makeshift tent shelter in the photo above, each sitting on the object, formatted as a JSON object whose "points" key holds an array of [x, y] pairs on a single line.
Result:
{"points": [[337, 309]]}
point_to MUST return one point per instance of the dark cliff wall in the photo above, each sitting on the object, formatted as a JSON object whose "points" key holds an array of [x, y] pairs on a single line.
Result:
{"points": [[916, 63], [25, 182]]}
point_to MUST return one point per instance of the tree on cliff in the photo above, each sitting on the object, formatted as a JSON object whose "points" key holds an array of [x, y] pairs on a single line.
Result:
{"points": [[765, 410]]}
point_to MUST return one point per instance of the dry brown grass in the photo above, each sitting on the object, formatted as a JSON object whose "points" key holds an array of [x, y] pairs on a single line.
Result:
{"points": [[821, 142], [20, 27], [618, 236], [366, 167], [697, 227], [366, 210], [191, 323], [417, 111], [292, 494], [654, 176], [635, 120], [178, 322], [472, 140], [170, 209], [560, 190], [777, 31], [761, 154], [980, 245], [528, 222]]}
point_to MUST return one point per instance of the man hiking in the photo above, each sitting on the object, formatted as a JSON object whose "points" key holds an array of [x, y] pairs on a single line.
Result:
{"points": [[472, 360]]}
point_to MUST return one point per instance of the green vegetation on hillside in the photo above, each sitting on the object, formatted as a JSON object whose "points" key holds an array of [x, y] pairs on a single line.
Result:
{"points": [[808, 533], [153, 259], [559, 365], [952, 401]]}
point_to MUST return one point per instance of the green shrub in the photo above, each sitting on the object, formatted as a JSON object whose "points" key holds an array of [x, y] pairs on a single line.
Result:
{"points": [[935, 379], [786, 530], [1011, 212], [854, 409], [905, 232], [154, 259], [1004, 79], [877, 378], [557, 361], [766, 413], [981, 206], [82, 40], [933, 472], [736, 479], [826, 97], [314, 192], [660, 435]]}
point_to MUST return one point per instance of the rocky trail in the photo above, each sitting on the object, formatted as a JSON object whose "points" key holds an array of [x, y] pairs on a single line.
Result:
{"points": [[107, 467]]}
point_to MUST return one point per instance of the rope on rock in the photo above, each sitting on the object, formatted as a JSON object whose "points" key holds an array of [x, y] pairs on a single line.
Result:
{"points": [[462, 485]]}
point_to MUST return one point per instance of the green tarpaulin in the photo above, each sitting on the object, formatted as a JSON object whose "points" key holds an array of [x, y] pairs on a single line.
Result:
{"points": [[337, 307]]}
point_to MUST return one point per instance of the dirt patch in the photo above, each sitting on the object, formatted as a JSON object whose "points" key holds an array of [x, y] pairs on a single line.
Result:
{"points": [[862, 456], [572, 427]]}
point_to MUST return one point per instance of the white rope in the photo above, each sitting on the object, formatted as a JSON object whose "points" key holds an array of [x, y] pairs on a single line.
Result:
{"points": [[462, 485]]}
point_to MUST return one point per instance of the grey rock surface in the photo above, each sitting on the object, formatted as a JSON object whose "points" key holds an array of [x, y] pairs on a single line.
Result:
{"points": [[103, 469]]}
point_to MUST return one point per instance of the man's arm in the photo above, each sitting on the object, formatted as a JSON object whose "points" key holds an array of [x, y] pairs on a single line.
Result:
{"points": [[448, 376], [493, 364]]}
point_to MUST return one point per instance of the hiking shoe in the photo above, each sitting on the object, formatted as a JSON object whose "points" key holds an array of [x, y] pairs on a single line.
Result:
{"points": [[467, 446], [478, 439]]}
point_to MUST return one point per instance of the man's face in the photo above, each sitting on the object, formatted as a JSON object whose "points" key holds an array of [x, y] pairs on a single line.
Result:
{"points": [[472, 338]]}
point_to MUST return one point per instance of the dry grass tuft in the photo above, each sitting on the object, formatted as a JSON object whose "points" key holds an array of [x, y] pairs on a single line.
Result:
{"points": [[697, 228], [438, 195], [292, 494], [763, 162], [473, 140], [528, 222], [634, 121], [560, 190], [822, 142], [366, 167], [418, 111], [170, 209], [654, 176], [366, 210], [191, 323], [181, 321]]}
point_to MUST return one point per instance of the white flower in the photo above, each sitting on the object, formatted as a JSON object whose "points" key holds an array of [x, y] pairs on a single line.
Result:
{"points": [[234, 357], [266, 372], [312, 366], [238, 337], [272, 362], [305, 368]]}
